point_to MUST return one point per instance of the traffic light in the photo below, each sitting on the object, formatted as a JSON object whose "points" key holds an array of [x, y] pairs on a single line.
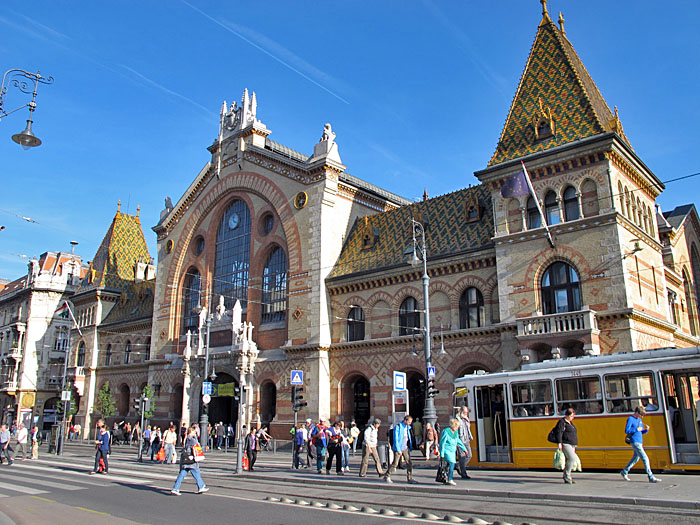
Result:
{"points": [[237, 392], [146, 404], [137, 404], [432, 391], [297, 398]]}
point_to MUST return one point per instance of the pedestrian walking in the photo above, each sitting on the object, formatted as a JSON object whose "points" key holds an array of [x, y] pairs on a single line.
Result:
{"points": [[220, 433], [156, 438], [567, 440], [188, 464], [252, 445], [402, 445], [464, 455], [34, 436], [369, 448], [22, 435], [320, 442], [418, 432], [450, 442], [299, 445], [310, 448], [345, 446], [429, 440], [5, 447], [636, 430], [170, 440], [103, 450], [354, 435], [335, 448]]}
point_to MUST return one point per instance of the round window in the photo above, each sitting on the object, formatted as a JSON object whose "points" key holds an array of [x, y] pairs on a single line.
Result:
{"points": [[268, 223], [198, 246], [169, 246]]}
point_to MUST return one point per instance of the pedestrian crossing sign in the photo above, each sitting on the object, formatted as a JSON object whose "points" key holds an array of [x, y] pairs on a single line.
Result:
{"points": [[431, 372], [297, 377]]}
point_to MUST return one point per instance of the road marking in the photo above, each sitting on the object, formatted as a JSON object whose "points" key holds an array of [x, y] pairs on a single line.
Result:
{"points": [[44, 499], [93, 511], [43, 483], [17, 488]]}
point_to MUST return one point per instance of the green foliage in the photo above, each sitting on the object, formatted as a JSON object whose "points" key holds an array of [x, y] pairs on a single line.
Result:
{"points": [[104, 404], [150, 394]]}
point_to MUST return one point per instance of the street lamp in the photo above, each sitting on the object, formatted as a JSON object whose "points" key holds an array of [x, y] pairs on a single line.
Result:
{"points": [[429, 412], [23, 81]]}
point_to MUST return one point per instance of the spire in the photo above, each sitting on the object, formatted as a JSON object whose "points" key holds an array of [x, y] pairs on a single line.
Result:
{"points": [[557, 101], [561, 24], [119, 205], [425, 194]]}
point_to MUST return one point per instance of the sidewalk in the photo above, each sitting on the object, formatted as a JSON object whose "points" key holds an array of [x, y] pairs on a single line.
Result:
{"points": [[679, 491]]}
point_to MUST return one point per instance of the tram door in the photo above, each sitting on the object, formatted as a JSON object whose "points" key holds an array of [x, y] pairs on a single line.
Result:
{"points": [[492, 423], [682, 392]]}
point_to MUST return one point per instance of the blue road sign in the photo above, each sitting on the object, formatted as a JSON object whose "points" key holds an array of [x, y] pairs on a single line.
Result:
{"points": [[431, 372], [297, 377], [399, 380], [206, 388]]}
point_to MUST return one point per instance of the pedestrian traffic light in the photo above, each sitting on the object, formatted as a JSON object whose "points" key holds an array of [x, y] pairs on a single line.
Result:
{"points": [[237, 393], [432, 391], [146, 404], [137, 404], [297, 398]]}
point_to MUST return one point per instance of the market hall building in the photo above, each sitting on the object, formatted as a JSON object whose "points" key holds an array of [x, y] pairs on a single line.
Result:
{"points": [[291, 262]]}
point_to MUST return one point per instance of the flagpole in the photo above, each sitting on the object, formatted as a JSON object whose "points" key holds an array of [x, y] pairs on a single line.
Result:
{"points": [[537, 203]]}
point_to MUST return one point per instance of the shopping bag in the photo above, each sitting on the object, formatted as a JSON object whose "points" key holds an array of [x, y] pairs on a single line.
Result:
{"points": [[577, 464], [245, 462], [161, 454], [559, 460], [198, 452], [441, 475]]}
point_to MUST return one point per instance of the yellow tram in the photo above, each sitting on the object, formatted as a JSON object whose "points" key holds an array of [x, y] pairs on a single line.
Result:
{"points": [[512, 412]]}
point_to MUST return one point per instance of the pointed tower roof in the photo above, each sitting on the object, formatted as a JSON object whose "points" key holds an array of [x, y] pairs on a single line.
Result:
{"points": [[556, 102], [114, 264]]}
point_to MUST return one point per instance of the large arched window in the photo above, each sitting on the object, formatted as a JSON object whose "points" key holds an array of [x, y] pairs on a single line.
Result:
{"points": [[191, 289], [127, 353], [533, 215], [356, 324], [409, 317], [551, 208], [561, 291], [274, 295], [570, 204], [81, 354], [232, 261], [471, 308]]}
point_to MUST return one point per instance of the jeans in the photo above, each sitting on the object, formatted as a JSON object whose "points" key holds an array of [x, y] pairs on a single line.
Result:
{"points": [[101, 454], [354, 446], [450, 469], [346, 455], [183, 474], [298, 451], [639, 453], [320, 453], [219, 441], [170, 454]]}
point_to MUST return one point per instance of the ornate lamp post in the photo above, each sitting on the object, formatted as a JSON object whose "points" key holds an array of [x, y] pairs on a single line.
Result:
{"points": [[23, 81], [429, 412], [204, 318]]}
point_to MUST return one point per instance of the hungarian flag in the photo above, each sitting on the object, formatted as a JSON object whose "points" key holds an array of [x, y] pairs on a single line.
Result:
{"points": [[61, 309], [515, 186]]}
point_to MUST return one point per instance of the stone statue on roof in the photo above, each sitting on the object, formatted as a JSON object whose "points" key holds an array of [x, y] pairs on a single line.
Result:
{"points": [[327, 133]]}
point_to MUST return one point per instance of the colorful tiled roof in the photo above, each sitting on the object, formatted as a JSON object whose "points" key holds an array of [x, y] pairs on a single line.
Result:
{"points": [[114, 263], [379, 241], [136, 304], [555, 84]]}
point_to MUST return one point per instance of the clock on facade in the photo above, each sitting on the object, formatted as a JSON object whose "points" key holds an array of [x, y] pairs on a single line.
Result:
{"points": [[234, 221], [300, 200]]}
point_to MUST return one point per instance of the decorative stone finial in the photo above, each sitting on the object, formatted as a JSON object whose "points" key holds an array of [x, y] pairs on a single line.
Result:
{"points": [[545, 13], [138, 210], [425, 194], [119, 205], [561, 24]]}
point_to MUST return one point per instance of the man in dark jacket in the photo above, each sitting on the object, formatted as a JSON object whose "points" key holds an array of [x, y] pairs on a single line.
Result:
{"points": [[251, 448]]}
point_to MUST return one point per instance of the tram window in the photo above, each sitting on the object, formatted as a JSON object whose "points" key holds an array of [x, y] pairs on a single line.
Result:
{"points": [[532, 399], [583, 394], [626, 392]]}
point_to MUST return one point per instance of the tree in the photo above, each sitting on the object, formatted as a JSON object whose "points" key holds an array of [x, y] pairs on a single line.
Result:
{"points": [[104, 404], [149, 393]]}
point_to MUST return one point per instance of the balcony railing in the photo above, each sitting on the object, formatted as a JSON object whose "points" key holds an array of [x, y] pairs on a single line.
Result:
{"points": [[7, 384], [14, 352], [580, 321], [76, 371]]}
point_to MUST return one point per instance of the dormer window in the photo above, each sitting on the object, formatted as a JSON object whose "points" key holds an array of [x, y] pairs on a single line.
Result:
{"points": [[543, 123]]}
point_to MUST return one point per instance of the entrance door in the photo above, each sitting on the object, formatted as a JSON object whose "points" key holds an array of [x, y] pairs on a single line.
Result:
{"points": [[492, 423], [682, 391]]}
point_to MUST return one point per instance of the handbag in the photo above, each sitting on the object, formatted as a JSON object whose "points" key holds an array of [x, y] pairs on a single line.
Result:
{"points": [[628, 438], [245, 462], [441, 475], [198, 453], [161, 454]]}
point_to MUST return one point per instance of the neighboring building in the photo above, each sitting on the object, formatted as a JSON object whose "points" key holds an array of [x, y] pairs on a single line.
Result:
{"points": [[34, 340], [316, 258]]}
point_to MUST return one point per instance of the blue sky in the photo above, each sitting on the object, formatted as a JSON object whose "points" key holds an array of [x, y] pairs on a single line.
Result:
{"points": [[417, 93]]}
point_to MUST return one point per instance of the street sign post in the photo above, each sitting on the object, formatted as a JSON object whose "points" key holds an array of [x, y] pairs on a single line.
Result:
{"points": [[431, 372], [206, 399], [297, 377], [399, 380], [207, 388]]}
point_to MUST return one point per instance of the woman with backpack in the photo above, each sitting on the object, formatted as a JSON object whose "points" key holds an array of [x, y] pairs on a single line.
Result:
{"points": [[567, 440]]}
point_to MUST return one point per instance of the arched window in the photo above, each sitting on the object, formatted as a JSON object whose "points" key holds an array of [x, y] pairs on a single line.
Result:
{"points": [[690, 303], [81, 354], [356, 324], [621, 195], [471, 308], [533, 215], [551, 208], [268, 402], [409, 317], [274, 295], [108, 355], [127, 353], [561, 291], [232, 262], [570, 204], [191, 289]]}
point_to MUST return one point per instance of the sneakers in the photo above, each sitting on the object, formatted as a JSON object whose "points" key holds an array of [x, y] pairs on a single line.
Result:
{"points": [[92, 472], [388, 479], [175, 493], [450, 483], [569, 481], [104, 472], [203, 490], [412, 482], [625, 476], [654, 480]]}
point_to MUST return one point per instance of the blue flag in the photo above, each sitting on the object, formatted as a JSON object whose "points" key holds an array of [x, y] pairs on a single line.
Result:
{"points": [[515, 186]]}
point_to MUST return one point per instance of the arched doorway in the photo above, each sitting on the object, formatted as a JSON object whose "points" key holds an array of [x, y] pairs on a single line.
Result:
{"points": [[124, 398], [268, 402], [223, 407], [176, 403], [415, 384], [49, 415], [361, 400]]}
